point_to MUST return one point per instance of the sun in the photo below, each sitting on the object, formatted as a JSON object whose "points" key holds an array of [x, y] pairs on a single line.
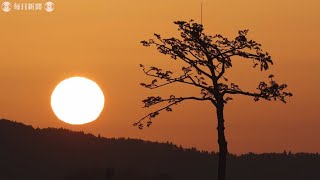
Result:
{"points": [[77, 100]]}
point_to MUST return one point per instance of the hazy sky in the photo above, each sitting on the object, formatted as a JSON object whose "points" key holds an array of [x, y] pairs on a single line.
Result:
{"points": [[100, 40]]}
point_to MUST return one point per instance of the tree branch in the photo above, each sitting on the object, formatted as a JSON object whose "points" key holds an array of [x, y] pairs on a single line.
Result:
{"points": [[150, 101], [273, 91], [167, 76]]}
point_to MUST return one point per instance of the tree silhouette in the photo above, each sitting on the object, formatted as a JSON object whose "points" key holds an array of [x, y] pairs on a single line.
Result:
{"points": [[207, 60]]}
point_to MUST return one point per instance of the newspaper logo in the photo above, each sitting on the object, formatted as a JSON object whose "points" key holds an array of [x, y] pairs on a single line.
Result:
{"points": [[6, 6], [27, 6]]}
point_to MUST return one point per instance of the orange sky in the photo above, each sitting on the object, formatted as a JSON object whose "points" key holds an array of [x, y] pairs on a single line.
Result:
{"points": [[100, 40]]}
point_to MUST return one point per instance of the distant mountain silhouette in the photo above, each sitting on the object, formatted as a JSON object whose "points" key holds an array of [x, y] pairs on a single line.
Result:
{"points": [[61, 154]]}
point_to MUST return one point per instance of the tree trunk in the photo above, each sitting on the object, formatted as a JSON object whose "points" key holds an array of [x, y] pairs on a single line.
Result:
{"points": [[223, 147]]}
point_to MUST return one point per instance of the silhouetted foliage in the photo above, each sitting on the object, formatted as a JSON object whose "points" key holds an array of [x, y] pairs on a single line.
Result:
{"points": [[207, 60], [61, 154]]}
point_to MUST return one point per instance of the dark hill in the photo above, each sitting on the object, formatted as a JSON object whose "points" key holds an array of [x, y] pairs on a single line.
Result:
{"points": [[57, 154]]}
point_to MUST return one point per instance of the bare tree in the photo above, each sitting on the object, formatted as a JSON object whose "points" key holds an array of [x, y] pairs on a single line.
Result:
{"points": [[207, 60]]}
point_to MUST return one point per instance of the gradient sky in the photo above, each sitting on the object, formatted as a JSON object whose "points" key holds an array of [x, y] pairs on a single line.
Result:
{"points": [[100, 40]]}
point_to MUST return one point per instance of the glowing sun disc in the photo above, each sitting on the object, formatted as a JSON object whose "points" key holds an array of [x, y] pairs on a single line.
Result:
{"points": [[77, 100]]}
